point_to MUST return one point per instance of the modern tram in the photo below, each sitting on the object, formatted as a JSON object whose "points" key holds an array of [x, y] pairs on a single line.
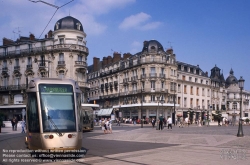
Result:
{"points": [[88, 116], [53, 115]]}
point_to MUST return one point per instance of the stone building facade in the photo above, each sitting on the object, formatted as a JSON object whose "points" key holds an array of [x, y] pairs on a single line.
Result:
{"points": [[62, 53]]}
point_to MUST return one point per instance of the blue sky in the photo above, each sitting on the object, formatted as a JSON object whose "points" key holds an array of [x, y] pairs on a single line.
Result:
{"points": [[201, 32]]}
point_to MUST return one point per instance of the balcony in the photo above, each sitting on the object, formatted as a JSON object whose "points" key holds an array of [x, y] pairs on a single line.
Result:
{"points": [[61, 63], [80, 64], [16, 68], [143, 76], [125, 80], [106, 85], [83, 84], [4, 69], [29, 67], [13, 87], [152, 75], [42, 65], [161, 75], [134, 78]]}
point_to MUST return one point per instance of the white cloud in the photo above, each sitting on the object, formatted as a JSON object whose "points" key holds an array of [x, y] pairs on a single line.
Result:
{"points": [[97, 7], [136, 47], [33, 17], [138, 21]]}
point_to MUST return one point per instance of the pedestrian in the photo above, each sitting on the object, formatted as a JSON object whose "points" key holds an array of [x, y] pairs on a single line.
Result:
{"points": [[118, 121], [16, 121], [153, 122], [23, 124], [186, 121], [13, 124], [107, 126], [161, 122], [110, 125], [219, 121], [169, 121], [134, 120], [103, 125]]}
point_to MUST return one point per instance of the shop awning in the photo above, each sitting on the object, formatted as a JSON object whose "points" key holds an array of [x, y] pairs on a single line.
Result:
{"points": [[13, 106], [105, 112]]}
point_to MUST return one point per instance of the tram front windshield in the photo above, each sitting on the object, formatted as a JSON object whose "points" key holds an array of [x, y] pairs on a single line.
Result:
{"points": [[58, 108]]}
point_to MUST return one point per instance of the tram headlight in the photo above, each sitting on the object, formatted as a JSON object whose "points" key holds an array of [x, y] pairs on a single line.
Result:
{"points": [[51, 136], [69, 135]]}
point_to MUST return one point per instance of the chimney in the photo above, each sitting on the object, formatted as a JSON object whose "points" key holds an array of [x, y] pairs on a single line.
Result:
{"points": [[96, 62], [32, 37], [170, 51], [116, 57], [109, 60], [50, 34], [104, 61], [45, 36], [7, 41], [145, 43], [126, 55]]}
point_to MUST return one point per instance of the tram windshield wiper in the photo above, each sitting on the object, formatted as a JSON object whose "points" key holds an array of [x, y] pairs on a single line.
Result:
{"points": [[54, 125]]}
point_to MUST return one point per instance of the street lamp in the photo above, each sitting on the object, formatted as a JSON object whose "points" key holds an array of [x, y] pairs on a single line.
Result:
{"points": [[141, 106], [240, 128]]}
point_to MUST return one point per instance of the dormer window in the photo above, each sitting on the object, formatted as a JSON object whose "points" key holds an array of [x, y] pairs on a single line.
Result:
{"points": [[78, 25], [61, 40], [57, 25]]}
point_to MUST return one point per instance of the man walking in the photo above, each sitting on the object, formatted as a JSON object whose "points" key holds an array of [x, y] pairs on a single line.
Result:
{"points": [[169, 121], [161, 122], [23, 126], [16, 121]]}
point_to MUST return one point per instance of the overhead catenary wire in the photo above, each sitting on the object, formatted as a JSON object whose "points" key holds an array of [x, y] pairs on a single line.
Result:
{"points": [[53, 14]]}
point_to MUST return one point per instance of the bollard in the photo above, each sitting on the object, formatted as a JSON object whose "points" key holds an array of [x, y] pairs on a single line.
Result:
{"points": [[157, 125]]}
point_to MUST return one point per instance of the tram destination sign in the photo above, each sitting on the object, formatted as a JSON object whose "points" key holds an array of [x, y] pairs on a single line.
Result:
{"points": [[56, 89]]}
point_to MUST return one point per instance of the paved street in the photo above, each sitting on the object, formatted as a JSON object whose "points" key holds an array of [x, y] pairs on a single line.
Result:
{"points": [[129, 144]]}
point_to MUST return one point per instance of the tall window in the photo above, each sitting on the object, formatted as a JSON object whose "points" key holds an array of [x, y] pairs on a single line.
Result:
{"points": [[197, 91], [152, 98], [143, 71], [235, 105], [61, 74], [17, 61], [185, 102], [29, 61], [61, 40], [185, 89], [61, 57], [17, 80], [143, 85], [5, 81], [17, 49], [183, 78], [79, 58], [153, 85], [152, 70], [191, 90], [30, 47], [79, 41], [162, 84], [4, 64], [162, 71]]}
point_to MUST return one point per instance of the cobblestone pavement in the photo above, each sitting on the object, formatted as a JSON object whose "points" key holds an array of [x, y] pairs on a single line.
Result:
{"points": [[130, 144]]}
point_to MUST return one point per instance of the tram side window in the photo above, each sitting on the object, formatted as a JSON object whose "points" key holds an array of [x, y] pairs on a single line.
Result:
{"points": [[32, 111]]}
